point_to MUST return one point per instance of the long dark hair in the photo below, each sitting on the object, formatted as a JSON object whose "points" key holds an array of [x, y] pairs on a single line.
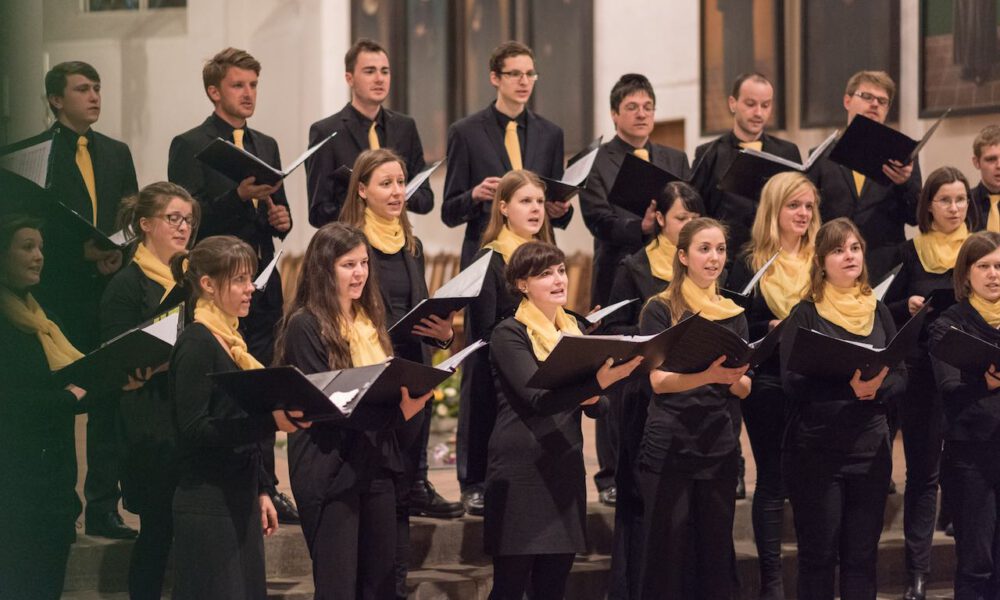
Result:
{"points": [[220, 258]]}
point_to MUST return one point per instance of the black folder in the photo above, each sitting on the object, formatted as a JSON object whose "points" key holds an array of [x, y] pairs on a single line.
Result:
{"points": [[577, 169], [966, 352], [883, 286], [107, 368], [704, 341], [238, 164], [559, 191], [84, 230], [745, 296], [751, 169], [639, 181], [867, 145], [941, 299], [818, 355]]}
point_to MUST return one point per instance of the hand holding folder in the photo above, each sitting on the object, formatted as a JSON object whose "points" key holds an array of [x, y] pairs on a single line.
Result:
{"points": [[750, 171], [238, 164]]}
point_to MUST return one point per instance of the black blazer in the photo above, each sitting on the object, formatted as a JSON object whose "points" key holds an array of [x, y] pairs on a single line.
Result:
{"points": [[617, 231], [224, 213], [634, 279], [736, 211], [326, 192], [475, 152], [880, 213], [979, 207]]}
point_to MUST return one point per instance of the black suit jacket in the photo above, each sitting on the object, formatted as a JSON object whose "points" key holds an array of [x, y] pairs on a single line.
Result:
{"points": [[224, 213], [326, 192], [979, 207], [880, 213], [736, 211], [617, 231], [475, 152]]}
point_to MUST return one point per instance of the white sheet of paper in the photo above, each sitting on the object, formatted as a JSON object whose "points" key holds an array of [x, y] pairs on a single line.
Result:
{"points": [[756, 276], [261, 282], [166, 328], [419, 179], [577, 173], [309, 152], [607, 310], [451, 363], [343, 400], [469, 282], [32, 162]]}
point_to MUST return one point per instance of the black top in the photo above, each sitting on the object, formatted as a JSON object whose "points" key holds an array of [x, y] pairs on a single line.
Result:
{"points": [[972, 413], [759, 317], [913, 280], [827, 416], [634, 279], [395, 130], [330, 458], [395, 283], [979, 207], [736, 211], [691, 431]]}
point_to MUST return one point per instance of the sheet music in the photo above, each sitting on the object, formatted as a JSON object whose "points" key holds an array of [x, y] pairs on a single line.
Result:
{"points": [[760, 273], [344, 400], [165, 328], [820, 150], [577, 173], [122, 236], [32, 162], [469, 282], [419, 179], [597, 316], [886, 283], [451, 363], [927, 136], [309, 152], [261, 282]]}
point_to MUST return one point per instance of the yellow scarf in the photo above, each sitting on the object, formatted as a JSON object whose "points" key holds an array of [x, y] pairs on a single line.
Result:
{"points": [[385, 235], [848, 307], [660, 253], [938, 251], [506, 243], [783, 283], [154, 269], [707, 302], [990, 311], [366, 349], [29, 317], [544, 333], [211, 316]]}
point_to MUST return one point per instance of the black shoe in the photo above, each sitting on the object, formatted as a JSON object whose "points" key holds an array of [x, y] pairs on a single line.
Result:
{"points": [[608, 496], [287, 513], [426, 502], [892, 487], [741, 488], [917, 588], [109, 525], [949, 530], [473, 501]]}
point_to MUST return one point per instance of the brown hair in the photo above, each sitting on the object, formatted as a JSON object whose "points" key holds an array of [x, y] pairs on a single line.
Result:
{"points": [[353, 211], [939, 177], [831, 236], [215, 68], [672, 296], [877, 78], [508, 186], [743, 78], [508, 50], [989, 136], [149, 202], [765, 239], [628, 84], [362, 45], [316, 293], [55, 79], [220, 258], [11, 224], [977, 246], [530, 260]]}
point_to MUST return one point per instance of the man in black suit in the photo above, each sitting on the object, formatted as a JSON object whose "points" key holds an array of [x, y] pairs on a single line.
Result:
{"points": [[90, 174], [880, 211], [361, 125], [750, 103], [502, 137], [986, 195], [253, 212]]}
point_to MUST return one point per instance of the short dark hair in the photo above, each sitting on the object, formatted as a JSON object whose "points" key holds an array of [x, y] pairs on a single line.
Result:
{"points": [[11, 224], [55, 79], [362, 45], [507, 50], [939, 177], [743, 78], [628, 84], [678, 190], [215, 68], [530, 260], [976, 246]]}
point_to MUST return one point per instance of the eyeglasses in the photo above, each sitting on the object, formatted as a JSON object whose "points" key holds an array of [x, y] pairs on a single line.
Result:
{"points": [[946, 202], [869, 97], [531, 75], [175, 220]]}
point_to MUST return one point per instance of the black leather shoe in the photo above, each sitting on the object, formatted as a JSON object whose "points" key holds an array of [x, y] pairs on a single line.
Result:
{"points": [[917, 588], [426, 502], [287, 513], [892, 487], [109, 525], [608, 496], [473, 501], [741, 488]]}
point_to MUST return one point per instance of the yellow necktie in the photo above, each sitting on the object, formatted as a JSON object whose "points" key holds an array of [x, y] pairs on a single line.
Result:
{"points": [[859, 182], [642, 153], [513, 145], [86, 167], [373, 138], [993, 219], [754, 145], [238, 140]]}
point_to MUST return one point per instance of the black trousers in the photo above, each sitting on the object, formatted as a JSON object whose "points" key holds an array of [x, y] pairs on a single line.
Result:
{"points": [[413, 444], [688, 548], [626, 555], [608, 438], [764, 414], [838, 511], [33, 562], [971, 478], [540, 575], [352, 542], [477, 412], [148, 562], [100, 488], [922, 423]]}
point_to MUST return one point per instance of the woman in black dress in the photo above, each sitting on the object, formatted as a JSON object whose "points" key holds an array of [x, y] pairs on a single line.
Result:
{"points": [[221, 507], [518, 215], [687, 458], [342, 472], [38, 464], [837, 459], [970, 472], [786, 224], [945, 217], [163, 217], [535, 482]]}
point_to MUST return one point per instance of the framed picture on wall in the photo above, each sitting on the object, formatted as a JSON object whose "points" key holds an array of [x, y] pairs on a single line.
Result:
{"points": [[959, 60], [729, 48], [840, 38]]}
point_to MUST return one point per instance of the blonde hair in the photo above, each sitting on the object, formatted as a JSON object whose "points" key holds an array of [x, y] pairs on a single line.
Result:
{"points": [[765, 237], [877, 78], [508, 186]]}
